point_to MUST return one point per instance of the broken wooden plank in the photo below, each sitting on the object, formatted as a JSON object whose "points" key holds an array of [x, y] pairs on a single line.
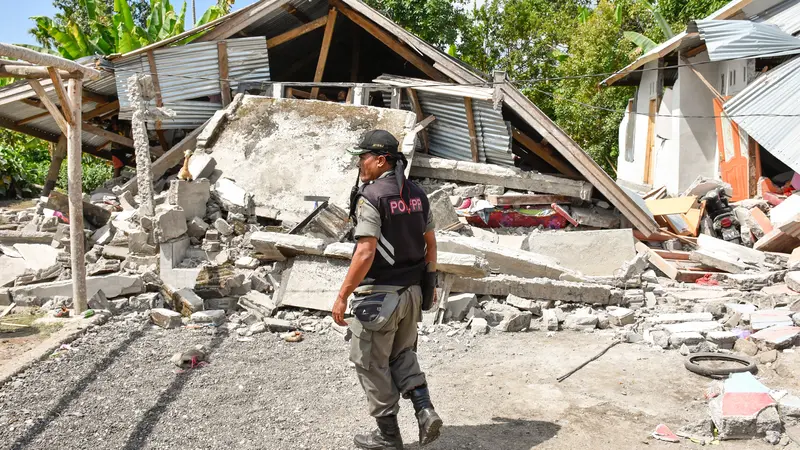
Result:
{"points": [[678, 205], [655, 259], [296, 32], [547, 154], [508, 177], [8, 309], [323, 52], [672, 255], [527, 199], [777, 241]]}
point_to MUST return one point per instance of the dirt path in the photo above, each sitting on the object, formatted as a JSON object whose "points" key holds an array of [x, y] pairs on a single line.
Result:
{"points": [[118, 390]]}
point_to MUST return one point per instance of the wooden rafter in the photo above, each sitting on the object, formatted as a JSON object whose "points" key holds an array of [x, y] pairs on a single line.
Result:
{"points": [[473, 135], [32, 118], [297, 32], [695, 51], [58, 85], [97, 98], [113, 137], [30, 72], [51, 107], [101, 110], [42, 59], [301, 16], [323, 51], [547, 154], [390, 41]]}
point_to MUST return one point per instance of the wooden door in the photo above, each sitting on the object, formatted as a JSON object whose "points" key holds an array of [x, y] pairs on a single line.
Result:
{"points": [[732, 164], [651, 136]]}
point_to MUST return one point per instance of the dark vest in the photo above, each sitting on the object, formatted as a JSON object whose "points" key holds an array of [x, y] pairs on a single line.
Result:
{"points": [[400, 255]]}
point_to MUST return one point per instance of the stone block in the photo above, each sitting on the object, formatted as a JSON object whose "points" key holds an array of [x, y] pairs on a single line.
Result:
{"points": [[621, 316], [201, 165], [197, 227], [246, 262], [113, 286], [169, 223], [538, 288], [214, 316], [723, 339], [233, 198], [279, 246], [165, 318], [311, 282], [502, 259], [599, 253], [550, 319], [261, 305], [515, 322], [190, 302], [524, 304], [459, 305], [580, 322], [688, 338], [680, 318], [191, 196], [444, 215]]}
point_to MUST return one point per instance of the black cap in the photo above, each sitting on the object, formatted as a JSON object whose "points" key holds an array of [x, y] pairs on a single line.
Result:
{"points": [[376, 141]]}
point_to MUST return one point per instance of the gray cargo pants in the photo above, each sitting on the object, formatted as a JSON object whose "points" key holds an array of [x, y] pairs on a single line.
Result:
{"points": [[386, 363]]}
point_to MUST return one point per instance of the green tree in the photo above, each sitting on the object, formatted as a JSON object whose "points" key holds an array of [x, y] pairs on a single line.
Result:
{"points": [[435, 21]]}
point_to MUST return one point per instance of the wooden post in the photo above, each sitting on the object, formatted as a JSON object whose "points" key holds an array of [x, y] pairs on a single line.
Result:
{"points": [[75, 180], [417, 106], [151, 59], [224, 84], [473, 135], [396, 98], [56, 159], [323, 51]]}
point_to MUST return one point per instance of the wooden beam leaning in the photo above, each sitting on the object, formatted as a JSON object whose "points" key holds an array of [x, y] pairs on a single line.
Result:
{"points": [[224, 83], [32, 118], [473, 135], [297, 32], [703, 80], [391, 42], [113, 137], [42, 59], [101, 110], [546, 154], [412, 97], [58, 85], [51, 107], [323, 51]]}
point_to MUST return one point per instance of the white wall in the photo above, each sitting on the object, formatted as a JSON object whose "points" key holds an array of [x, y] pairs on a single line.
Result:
{"points": [[634, 171], [666, 156], [735, 77], [697, 137]]}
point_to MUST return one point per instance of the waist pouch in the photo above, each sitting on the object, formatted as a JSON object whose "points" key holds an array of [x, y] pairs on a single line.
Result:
{"points": [[374, 309]]}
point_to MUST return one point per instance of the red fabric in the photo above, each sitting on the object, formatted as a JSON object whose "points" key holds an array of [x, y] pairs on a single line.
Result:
{"points": [[117, 163]]}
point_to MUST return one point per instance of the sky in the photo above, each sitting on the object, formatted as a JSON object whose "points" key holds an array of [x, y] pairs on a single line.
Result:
{"points": [[15, 20]]}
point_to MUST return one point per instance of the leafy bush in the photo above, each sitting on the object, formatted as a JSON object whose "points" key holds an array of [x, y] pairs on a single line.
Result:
{"points": [[16, 175]]}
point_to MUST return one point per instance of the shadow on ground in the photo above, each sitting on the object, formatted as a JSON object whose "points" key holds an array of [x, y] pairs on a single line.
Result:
{"points": [[503, 433]]}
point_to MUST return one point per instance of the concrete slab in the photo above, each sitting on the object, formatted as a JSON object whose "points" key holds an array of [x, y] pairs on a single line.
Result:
{"points": [[233, 197], [444, 215], [342, 250], [37, 256], [201, 165], [699, 327], [112, 285], [777, 337], [599, 252], [455, 263], [501, 259], [680, 317], [621, 316], [766, 318], [10, 269], [279, 246], [537, 288], [262, 130], [745, 409], [312, 282]]}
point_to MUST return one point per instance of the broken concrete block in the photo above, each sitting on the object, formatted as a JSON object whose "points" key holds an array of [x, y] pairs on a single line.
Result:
{"points": [[278, 325], [214, 316], [502, 259], [169, 223], [99, 301], [233, 198], [600, 252], [444, 215], [104, 234], [789, 410], [10, 269], [261, 305], [745, 409], [112, 285], [139, 243], [550, 319], [223, 227], [621, 316], [768, 357], [475, 190], [246, 262], [191, 196], [459, 305], [37, 256], [736, 252], [197, 227], [165, 318], [115, 252], [342, 250], [659, 338], [190, 302], [688, 338], [777, 337], [580, 322], [478, 325], [699, 327], [525, 304], [538, 288], [102, 266], [495, 312], [792, 280], [721, 261], [765, 318], [463, 265], [279, 246], [724, 339], [680, 317], [745, 346], [312, 282], [595, 217], [331, 224], [515, 322], [201, 165]]}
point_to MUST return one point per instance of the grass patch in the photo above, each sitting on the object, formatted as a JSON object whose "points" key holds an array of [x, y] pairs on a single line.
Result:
{"points": [[26, 319]]}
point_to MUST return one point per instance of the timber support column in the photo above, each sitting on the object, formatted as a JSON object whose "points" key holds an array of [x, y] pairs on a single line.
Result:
{"points": [[75, 176], [56, 160]]}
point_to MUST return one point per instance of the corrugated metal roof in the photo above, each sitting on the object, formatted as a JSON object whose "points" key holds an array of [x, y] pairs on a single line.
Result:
{"points": [[759, 107], [786, 15], [737, 39], [191, 72]]}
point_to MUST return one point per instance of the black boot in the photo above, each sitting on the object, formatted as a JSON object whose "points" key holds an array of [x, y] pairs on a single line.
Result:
{"points": [[386, 437], [429, 422]]}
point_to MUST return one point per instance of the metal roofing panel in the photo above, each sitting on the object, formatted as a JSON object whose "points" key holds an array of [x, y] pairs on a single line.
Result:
{"points": [[769, 110], [737, 39], [192, 71], [785, 15]]}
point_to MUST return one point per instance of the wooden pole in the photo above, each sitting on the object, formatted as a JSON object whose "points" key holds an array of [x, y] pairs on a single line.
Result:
{"points": [[75, 181], [32, 56], [323, 51], [473, 136], [56, 159], [224, 83]]}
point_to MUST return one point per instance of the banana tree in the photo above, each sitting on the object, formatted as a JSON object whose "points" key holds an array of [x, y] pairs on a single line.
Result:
{"points": [[643, 42]]}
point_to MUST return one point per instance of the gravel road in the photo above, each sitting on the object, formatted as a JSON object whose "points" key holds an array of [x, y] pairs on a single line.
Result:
{"points": [[116, 389]]}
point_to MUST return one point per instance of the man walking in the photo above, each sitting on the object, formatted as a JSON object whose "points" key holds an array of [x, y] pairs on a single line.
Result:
{"points": [[395, 253]]}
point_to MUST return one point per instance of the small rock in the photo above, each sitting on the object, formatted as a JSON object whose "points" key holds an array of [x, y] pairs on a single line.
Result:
{"points": [[550, 319], [479, 326], [768, 357], [223, 227], [515, 322], [213, 316], [165, 318], [258, 327], [246, 262], [745, 346], [684, 350]]}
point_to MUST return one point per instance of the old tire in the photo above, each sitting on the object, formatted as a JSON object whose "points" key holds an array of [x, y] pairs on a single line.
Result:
{"points": [[747, 364]]}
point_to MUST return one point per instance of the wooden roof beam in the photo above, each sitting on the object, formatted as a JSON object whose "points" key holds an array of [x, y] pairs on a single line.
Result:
{"points": [[547, 154], [297, 32], [323, 51], [51, 107], [42, 59]]}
